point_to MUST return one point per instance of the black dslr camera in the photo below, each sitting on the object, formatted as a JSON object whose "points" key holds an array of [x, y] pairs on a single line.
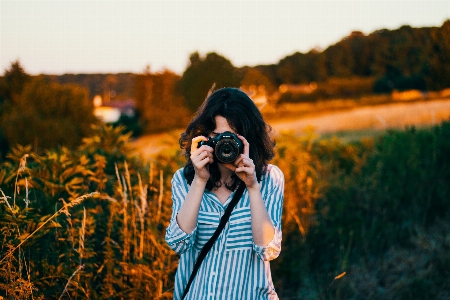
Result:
{"points": [[227, 146]]}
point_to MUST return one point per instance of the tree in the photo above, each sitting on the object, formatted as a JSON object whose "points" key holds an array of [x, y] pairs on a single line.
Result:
{"points": [[13, 82], [255, 77], [202, 74], [48, 115], [11, 86], [156, 99], [439, 67], [302, 68]]}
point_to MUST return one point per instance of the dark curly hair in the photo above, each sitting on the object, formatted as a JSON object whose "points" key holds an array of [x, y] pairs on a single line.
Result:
{"points": [[244, 118]]}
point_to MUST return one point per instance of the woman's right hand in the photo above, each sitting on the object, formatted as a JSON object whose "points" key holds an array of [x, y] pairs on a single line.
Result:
{"points": [[201, 157]]}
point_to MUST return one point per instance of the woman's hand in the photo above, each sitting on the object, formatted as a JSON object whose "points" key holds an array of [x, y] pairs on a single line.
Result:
{"points": [[244, 167], [201, 157]]}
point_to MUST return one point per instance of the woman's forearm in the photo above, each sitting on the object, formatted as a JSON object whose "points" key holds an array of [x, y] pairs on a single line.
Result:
{"points": [[188, 214], [262, 228]]}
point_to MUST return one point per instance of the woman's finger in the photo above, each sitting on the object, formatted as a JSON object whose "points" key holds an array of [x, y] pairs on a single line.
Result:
{"points": [[249, 171], [196, 141], [238, 161], [196, 157], [246, 151]]}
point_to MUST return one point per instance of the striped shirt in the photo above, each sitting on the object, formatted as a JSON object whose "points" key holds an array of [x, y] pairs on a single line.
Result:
{"points": [[235, 267]]}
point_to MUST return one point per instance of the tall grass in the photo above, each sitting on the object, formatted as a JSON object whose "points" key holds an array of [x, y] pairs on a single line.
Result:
{"points": [[379, 212], [104, 237], [363, 219]]}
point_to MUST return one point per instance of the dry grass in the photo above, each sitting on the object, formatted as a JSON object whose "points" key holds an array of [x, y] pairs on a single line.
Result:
{"points": [[140, 269], [394, 115], [327, 117]]}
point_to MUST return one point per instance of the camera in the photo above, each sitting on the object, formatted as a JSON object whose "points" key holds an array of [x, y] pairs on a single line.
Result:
{"points": [[227, 146]]}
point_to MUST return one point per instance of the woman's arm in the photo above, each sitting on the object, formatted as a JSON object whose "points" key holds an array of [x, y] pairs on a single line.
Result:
{"points": [[188, 214], [272, 193], [181, 232], [262, 228], [265, 213]]}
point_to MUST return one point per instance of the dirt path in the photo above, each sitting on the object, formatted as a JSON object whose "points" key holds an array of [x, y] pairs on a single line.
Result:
{"points": [[395, 115]]}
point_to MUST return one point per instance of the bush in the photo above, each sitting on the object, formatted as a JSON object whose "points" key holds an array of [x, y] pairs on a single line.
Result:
{"points": [[84, 223], [380, 205], [48, 115]]}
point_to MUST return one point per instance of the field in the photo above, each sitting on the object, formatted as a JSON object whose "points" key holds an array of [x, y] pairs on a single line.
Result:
{"points": [[341, 119], [364, 218]]}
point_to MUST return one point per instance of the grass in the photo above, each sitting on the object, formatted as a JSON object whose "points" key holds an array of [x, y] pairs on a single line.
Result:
{"points": [[112, 245], [352, 135]]}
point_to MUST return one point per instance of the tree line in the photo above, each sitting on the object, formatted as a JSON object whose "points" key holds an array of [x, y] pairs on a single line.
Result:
{"points": [[401, 59], [39, 110]]}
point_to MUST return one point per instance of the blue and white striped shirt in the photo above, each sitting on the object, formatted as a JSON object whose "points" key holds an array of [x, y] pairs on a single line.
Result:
{"points": [[235, 267]]}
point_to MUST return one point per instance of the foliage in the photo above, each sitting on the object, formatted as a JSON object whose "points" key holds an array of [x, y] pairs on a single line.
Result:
{"points": [[302, 68], [253, 76], [200, 76], [367, 219], [11, 87], [348, 88], [13, 82], [439, 68], [158, 105], [48, 115], [75, 227], [378, 213], [404, 58], [118, 86]]}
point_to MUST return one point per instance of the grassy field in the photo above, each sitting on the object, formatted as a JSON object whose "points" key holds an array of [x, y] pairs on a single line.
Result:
{"points": [[362, 220], [341, 118]]}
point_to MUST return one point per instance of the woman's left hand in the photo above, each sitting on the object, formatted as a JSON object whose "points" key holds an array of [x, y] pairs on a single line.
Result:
{"points": [[243, 166]]}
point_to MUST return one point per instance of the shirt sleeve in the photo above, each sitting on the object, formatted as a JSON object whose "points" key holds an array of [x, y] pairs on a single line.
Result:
{"points": [[273, 196], [176, 238]]}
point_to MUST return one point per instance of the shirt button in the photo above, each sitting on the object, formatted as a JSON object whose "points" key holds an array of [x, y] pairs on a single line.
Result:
{"points": [[213, 273]]}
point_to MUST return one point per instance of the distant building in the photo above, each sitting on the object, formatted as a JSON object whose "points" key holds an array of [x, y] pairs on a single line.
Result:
{"points": [[113, 110]]}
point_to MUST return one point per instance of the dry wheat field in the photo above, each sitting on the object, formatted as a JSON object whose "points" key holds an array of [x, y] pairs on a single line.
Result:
{"points": [[378, 117]]}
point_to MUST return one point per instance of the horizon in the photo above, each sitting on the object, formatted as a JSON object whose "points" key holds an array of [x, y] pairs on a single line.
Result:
{"points": [[111, 37]]}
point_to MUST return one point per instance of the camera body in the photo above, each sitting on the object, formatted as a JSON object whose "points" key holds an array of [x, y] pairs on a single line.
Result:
{"points": [[227, 146]]}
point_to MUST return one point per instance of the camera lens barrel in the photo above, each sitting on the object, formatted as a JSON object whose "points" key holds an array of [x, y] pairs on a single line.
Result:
{"points": [[227, 150], [227, 146]]}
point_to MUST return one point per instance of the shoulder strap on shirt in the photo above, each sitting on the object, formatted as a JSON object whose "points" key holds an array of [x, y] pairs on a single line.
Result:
{"points": [[209, 244]]}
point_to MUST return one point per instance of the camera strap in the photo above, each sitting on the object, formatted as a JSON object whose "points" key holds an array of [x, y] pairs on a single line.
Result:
{"points": [[223, 221]]}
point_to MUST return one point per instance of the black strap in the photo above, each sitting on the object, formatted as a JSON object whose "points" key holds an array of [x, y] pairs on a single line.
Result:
{"points": [[209, 244]]}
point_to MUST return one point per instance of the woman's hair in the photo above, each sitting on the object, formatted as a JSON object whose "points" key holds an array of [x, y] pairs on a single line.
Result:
{"points": [[244, 118]]}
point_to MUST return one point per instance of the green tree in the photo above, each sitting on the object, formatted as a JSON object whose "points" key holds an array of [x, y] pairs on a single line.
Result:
{"points": [[13, 82], [48, 115], [11, 86], [302, 68], [439, 68], [253, 76], [156, 98], [202, 74]]}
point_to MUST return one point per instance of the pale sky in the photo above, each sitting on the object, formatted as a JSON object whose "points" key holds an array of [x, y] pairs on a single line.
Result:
{"points": [[57, 37]]}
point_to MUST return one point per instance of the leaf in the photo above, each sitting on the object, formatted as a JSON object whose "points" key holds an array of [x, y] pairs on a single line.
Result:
{"points": [[54, 224], [24, 236]]}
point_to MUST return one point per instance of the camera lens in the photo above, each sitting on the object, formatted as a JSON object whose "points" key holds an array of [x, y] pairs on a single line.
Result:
{"points": [[227, 150]]}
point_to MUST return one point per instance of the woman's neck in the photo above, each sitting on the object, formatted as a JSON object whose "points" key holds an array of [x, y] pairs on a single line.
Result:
{"points": [[225, 173]]}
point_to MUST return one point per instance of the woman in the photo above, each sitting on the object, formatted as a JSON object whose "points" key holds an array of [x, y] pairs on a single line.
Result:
{"points": [[237, 266]]}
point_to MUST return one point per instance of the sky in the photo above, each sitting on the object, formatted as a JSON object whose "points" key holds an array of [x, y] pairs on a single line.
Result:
{"points": [[86, 36]]}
